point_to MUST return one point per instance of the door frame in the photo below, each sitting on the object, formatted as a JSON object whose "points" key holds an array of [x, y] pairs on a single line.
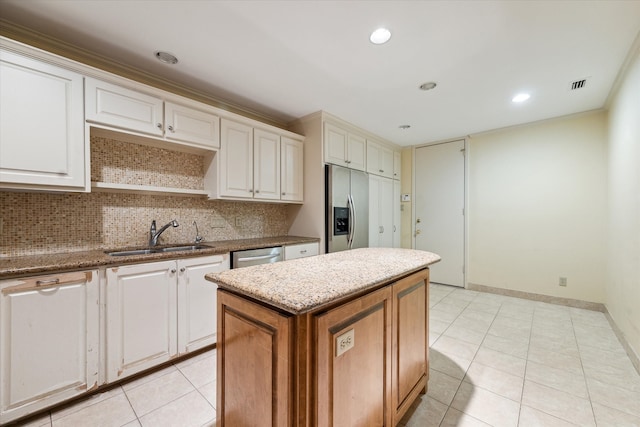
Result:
{"points": [[467, 146]]}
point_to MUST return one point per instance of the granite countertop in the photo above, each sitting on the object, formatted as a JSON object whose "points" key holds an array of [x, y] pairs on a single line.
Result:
{"points": [[302, 285], [50, 263]]}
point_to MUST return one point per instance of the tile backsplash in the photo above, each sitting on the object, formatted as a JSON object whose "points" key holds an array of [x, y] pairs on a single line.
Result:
{"points": [[41, 223]]}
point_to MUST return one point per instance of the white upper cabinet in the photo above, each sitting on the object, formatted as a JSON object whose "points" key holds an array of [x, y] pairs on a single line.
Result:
{"points": [[122, 108], [48, 153], [344, 148], [291, 169], [381, 208], [266, 165], [258, 164], [191, 125], [379, 159], [236, 159], [397, 165]]}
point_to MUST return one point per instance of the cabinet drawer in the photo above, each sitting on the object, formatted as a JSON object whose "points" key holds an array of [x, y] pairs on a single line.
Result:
{"points": [[300, 251]]}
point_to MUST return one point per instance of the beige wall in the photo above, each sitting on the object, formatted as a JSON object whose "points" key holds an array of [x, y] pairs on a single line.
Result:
{"points": [[623, 273], [537, 207]]}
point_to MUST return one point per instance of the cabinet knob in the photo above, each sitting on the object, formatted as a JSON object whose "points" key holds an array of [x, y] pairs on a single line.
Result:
{"points": [[251, 191], [159, 125], [381, 171], [182, 270], [170, 128], [284, 194], [173, 270], [257, 191]]}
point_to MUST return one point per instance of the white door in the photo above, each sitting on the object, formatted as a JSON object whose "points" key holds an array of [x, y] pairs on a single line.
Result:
{"points": [[141, 317], [439, 205], [197, 317], [41, 125], [236, 159], [291, 173], [49, 337], [266, 165]]}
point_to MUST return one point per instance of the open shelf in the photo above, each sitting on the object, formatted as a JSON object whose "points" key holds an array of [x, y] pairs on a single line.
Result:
{"points": [[145, 189]]}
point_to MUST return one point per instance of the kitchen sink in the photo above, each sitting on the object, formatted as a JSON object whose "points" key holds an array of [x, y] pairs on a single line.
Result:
{"points": [[147, 251]]}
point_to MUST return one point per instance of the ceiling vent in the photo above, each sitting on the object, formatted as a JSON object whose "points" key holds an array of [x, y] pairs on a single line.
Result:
{"points": [[578, 84]]}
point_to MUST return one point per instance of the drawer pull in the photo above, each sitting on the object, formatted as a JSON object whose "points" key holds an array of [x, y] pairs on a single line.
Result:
{"points": [[48, 282], [304, 251]]}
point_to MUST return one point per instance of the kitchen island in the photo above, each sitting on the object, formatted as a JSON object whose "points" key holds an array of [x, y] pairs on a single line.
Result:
{"points": [[337, 339]]}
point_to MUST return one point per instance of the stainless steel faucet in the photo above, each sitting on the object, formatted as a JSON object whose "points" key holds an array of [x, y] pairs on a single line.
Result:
{"points": [[153, 236]]}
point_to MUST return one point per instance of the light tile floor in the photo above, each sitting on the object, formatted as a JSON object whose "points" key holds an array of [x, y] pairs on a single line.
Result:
{"points": [[495, 361]]}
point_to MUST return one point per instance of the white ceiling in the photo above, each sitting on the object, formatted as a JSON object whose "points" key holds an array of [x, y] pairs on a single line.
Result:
{"points": [[287, 59]]}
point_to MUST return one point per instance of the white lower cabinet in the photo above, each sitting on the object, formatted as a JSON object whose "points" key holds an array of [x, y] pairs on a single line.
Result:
{"points": [[300, 250], [141, 317], [49, 335], [157, 311], [197, 320]]}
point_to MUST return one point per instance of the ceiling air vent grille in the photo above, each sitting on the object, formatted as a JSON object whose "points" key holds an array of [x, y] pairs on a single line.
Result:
{"points": [[578, 84]]}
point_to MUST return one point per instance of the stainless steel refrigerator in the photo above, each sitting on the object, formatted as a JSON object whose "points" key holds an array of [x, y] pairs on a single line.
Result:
{"points": [[347, 208]]}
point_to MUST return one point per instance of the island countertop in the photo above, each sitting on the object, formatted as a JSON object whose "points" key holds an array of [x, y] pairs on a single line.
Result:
{"points": [[304, 284]]}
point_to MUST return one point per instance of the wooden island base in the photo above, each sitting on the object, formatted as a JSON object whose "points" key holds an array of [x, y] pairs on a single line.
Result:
{"points": [[359, 361]]}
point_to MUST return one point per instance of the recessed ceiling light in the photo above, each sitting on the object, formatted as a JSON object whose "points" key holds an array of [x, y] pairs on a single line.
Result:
{"points": [[380, 36], [427, 86], [521, 97], [403, 127], [166, 57]]}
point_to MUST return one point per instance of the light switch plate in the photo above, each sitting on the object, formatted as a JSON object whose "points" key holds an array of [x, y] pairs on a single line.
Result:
{"points": [[345, 342], [406, 197]]}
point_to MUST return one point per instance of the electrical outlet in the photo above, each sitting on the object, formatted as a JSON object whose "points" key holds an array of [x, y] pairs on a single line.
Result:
{"points": [[218, 223], [239, 222], [563, 281], [345, 342]]}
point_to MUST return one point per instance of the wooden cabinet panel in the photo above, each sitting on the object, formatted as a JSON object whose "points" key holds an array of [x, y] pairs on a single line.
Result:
{"points": [[410, 343], [49, 337], [42, 143], [254, 348], [354, 363]]}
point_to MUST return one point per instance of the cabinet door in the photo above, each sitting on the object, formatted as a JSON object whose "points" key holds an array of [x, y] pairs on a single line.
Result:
{"points": [[236, 159], [397, 218], [379, 159], [397, 165], [49, 337], [291, 169], [48, 153], [191, 125], [254, 348], [353, 373], [380, 212], [141, 317], [266, 165], [197, 301], [123, 108], [335, 145], [300, 251], [410, 332], [357, 152]]}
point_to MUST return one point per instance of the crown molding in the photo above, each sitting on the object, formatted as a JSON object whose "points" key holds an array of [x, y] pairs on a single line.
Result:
{"points": [[59, 47]]}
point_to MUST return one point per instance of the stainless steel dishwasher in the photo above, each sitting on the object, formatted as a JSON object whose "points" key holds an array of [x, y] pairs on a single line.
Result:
{"points": [[256, 256]]}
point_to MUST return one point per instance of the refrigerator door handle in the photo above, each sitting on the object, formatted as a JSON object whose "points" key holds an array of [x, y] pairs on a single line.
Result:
{"points": [[352, 222]]}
